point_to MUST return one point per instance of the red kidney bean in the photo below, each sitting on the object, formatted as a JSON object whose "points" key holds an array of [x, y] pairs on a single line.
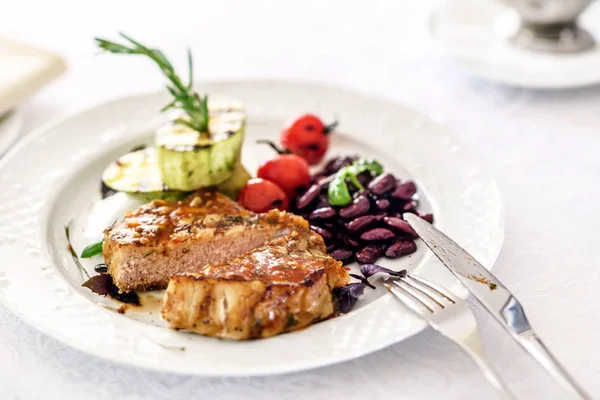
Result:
{"points": [[308, 197], [400, 225], [404, 191], [351, 242], [343, 255], [381, 216], [377, 234], [335, 164], [323, 181], [382, 204], [360, 223], [330, 226], [382, 184], [331, 248], [410, 207], [341, 162], [300, 190], [322, 202], [318, 176], [331, 165], [400, 248], [368, 254], [364, 178], [427, 217], [322, 231], [361, 193], [323, 213], [360, 206]]}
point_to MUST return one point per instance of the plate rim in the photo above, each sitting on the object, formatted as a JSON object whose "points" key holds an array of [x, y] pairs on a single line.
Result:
{"points": [[24, 141]]}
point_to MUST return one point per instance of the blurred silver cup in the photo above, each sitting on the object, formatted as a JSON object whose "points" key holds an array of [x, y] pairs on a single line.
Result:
{"points": [[551, 25]]}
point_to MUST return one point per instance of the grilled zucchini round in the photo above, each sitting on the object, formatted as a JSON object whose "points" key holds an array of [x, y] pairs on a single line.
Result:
{"points": [[232, 186], [137, 174], [189, 160]]}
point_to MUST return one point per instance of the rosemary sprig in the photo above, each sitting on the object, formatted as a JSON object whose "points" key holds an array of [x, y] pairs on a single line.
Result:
{"points": [[184, 96]]}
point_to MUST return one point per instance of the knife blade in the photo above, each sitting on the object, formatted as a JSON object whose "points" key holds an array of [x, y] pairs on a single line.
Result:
{"points": [[495, 298]]}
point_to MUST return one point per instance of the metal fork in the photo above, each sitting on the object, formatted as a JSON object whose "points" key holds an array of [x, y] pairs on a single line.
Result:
{"points": [[451, 317]]}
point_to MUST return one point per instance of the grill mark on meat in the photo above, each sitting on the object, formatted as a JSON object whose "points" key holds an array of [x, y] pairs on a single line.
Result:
{"points": [[183, 228], [313, 278], [227, 222]]}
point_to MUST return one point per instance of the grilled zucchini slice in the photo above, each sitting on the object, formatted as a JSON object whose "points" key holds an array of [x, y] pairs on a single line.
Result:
{"points": [[137, 174], [232, 186], [189, 160]]}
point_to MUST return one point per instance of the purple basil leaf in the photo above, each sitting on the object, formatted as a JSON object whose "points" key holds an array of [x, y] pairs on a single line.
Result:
{"points": [[345, 297], [363, 280], [103, 285], [369, 270], [99, 284]]}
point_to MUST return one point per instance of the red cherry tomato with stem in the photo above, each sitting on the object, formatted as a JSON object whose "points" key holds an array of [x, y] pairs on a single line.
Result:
{"points": [[308, 137], [288, 171], [260, 195]]}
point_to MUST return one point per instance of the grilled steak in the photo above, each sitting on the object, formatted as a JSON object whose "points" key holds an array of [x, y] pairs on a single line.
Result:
{"points": [[161, 239], [282, 286]]}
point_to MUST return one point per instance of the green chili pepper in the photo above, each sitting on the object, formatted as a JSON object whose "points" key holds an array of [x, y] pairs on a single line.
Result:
{"points": [[363, 165], [338, 192]]}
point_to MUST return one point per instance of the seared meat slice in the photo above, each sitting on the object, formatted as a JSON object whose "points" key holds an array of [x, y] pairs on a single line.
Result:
{"points": [[161, 239], [282, 286]]}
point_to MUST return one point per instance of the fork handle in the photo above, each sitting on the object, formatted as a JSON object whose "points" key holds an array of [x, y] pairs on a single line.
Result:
{"points": [[474, 348], [534, 345], [492, 378]]}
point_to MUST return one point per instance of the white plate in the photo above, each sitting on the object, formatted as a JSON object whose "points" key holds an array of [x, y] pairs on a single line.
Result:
{"points": [[52, 177], [474, 33], [10, 127]]}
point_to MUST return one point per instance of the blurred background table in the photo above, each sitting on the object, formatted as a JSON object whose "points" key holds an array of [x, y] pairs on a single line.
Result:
{"points": [[542, 148]]}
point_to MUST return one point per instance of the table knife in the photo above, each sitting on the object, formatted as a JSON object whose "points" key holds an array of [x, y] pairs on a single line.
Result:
{"points": [[495, 297]]}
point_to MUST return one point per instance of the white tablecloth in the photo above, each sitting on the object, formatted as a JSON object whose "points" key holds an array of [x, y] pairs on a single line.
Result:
{"points": [[542, 147]]}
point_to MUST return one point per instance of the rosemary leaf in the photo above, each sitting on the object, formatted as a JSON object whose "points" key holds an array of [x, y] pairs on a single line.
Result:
{"points": [[169, 106], [190, 69]]}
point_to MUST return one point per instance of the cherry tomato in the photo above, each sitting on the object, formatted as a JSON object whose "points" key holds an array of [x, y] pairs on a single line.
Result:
{"points": [[260, 195], [308, 137], [288, 171]]}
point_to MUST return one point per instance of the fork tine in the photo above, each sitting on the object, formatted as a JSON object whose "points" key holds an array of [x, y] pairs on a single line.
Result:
{"points": [[426, 291], [417, 295], [409, 300], [434, 287]]}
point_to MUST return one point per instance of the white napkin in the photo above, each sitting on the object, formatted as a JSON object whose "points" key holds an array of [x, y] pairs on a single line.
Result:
{"points": [[24, 69]]}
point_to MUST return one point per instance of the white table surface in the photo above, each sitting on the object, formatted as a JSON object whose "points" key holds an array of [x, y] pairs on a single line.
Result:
{"points": [[541, 146]]}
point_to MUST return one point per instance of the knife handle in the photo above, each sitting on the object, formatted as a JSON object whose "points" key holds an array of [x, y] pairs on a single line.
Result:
{"points": [[534, 345]]}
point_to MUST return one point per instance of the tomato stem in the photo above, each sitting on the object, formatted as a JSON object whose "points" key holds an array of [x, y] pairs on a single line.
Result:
{"points": [[274, 146], [329, 128]]}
